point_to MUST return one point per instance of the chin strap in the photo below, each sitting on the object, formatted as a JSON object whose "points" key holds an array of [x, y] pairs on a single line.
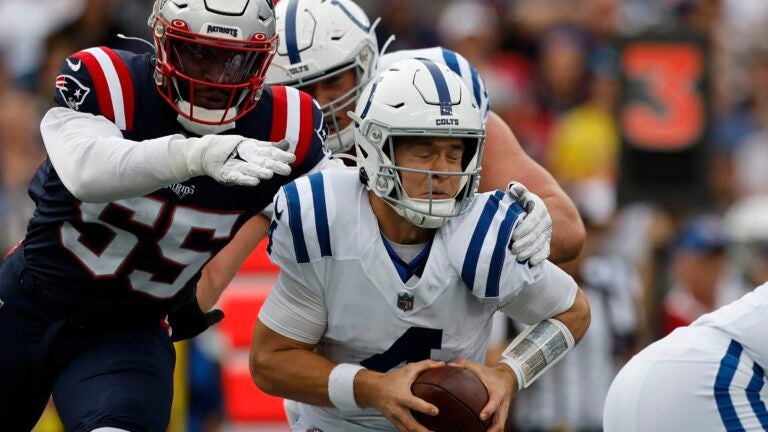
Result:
{"points": [[207, 115]]}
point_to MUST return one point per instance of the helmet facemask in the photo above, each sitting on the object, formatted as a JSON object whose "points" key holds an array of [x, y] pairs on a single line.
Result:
{"points": [[386, 180], [209, 80]]}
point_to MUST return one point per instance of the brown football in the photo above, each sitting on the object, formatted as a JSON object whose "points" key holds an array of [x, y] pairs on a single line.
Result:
{"points": [[458, 394]]}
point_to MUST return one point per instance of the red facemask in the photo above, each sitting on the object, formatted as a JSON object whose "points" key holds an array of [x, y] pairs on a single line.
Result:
{"points": [[213, 73]]}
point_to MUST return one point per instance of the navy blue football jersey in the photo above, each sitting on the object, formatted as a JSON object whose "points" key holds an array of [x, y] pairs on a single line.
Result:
{"points": [[138, 257]]}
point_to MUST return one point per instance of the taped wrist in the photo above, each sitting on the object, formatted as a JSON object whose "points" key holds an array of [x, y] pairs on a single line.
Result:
{"points": [[536, 349], [341, 387]]}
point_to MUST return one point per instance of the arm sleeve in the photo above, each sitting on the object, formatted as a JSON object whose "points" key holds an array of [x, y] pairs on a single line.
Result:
{"points": [[97, 164], [551, 294], [295, 307], [294, 311]]}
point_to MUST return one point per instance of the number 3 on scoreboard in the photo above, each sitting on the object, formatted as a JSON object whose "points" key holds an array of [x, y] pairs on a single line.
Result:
{"points": [[671, 115]]}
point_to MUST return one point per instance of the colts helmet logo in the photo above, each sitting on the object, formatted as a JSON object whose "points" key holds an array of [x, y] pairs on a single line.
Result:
{"points": [[72, 90]]}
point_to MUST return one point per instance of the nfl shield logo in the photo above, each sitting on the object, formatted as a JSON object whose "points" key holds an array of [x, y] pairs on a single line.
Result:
{"points": [[405, 301]]}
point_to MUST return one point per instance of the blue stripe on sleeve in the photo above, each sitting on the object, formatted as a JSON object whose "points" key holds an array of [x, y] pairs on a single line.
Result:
{"points": [[497, 259], [321, 213], [443, 94], [469, 269], [753, 394], [297, 230], [725, 374], [291, 36]]}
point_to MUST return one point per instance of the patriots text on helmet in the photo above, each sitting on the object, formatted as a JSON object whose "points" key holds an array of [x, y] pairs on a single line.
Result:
{"points": [[220, 29]]}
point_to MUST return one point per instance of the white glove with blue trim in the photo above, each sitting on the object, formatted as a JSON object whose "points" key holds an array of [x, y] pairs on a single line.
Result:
{"points": [[532, 235]]}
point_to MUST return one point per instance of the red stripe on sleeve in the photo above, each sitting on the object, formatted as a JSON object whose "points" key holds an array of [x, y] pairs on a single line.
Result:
{"points": [[126, 82], [100, 82], [306, 127], [279, 113]]}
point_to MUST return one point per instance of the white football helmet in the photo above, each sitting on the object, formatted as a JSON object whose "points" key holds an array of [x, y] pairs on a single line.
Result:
{"points": [[746, 226], [417, 97], [320, 39], [212, 56]]}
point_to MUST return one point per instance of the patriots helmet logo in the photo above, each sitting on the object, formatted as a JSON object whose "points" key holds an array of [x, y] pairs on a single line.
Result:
{"points": [[72, 90]]}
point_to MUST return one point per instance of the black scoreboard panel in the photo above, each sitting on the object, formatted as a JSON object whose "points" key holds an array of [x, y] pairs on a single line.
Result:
{"points": [[664, 118]]}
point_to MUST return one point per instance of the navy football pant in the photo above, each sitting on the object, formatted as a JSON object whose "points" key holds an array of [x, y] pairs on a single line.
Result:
{"points": [[99, 377]]}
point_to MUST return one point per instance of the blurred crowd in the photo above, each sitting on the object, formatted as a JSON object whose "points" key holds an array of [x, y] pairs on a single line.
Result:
{"points": [[552, 68]]}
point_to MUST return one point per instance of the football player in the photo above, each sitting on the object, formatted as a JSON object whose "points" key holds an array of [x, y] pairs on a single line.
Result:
{"points": [[156, 163], [395, 266], [329, 49], [710, 375]]}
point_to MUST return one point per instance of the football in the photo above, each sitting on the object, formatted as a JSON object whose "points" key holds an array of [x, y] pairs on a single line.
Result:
{"points": [[458, 394]]}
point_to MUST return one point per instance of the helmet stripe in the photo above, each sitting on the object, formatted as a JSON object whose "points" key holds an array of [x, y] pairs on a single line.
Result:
{"points": [[291, 35], [370, 99], [362, 26], [443, 94]]}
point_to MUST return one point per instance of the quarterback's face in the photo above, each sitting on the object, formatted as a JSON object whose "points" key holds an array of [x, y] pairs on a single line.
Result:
{"points": [[432, 154], [330, 89]]}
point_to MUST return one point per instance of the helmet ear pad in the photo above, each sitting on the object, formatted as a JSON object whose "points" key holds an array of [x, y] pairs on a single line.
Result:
{"points": [[380, 179]]}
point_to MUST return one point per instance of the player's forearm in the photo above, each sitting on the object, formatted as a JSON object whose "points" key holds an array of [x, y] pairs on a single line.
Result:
{"points": [[568, 233], [577, 318], [297, 374], [97, 164], [220, 271]]}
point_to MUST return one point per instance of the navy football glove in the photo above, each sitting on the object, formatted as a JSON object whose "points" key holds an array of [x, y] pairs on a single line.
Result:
{"points": [[189, 321]]}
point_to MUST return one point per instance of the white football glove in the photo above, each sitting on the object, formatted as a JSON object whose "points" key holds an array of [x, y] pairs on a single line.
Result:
{"points": [[532, 235], [232, 159]]}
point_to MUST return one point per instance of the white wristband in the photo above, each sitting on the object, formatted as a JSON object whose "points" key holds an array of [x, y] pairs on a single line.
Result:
{"points": [[517, 370], [537, 349], [341, 386]]}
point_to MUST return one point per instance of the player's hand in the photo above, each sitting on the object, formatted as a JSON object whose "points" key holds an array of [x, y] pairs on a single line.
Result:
{"points": [[532, 236], [501, 383], [189, 321], [234, 159], [391, 394]]}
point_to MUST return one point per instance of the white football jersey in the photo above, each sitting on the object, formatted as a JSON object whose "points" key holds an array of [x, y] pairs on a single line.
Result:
{"points": [[339, 289], [717, 365], [453, 60], [745, 321]]}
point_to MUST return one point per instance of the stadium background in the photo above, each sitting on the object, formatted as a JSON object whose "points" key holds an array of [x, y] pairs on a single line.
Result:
{"points": [[652, 114]]}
